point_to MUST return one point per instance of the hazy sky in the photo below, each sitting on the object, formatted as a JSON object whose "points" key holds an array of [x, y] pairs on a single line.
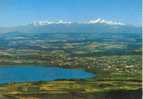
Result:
{"points": [[18, 12]]}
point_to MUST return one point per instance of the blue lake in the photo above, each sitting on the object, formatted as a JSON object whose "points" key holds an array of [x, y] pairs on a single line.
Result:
{"points": [[10, 74]]}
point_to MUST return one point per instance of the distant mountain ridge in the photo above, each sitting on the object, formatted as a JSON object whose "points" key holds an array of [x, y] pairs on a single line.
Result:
{"points": [[61, 26]]}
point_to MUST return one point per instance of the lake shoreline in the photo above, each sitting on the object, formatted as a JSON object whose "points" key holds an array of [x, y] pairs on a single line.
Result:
{"points": [[75, 88]]}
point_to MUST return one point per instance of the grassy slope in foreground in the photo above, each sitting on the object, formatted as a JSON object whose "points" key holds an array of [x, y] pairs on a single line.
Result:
{"points": [[66, 86]]}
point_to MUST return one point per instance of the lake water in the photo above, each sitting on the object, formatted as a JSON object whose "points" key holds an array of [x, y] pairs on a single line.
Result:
{"points": [[10, 74]]}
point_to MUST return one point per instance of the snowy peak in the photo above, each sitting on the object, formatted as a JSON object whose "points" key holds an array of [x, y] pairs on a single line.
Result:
{"points": [[99, 20], [37, 23]]}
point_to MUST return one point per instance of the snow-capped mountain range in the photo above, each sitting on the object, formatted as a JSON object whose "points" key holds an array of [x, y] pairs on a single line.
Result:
{"points": [[96, 21], [64, 26]]}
